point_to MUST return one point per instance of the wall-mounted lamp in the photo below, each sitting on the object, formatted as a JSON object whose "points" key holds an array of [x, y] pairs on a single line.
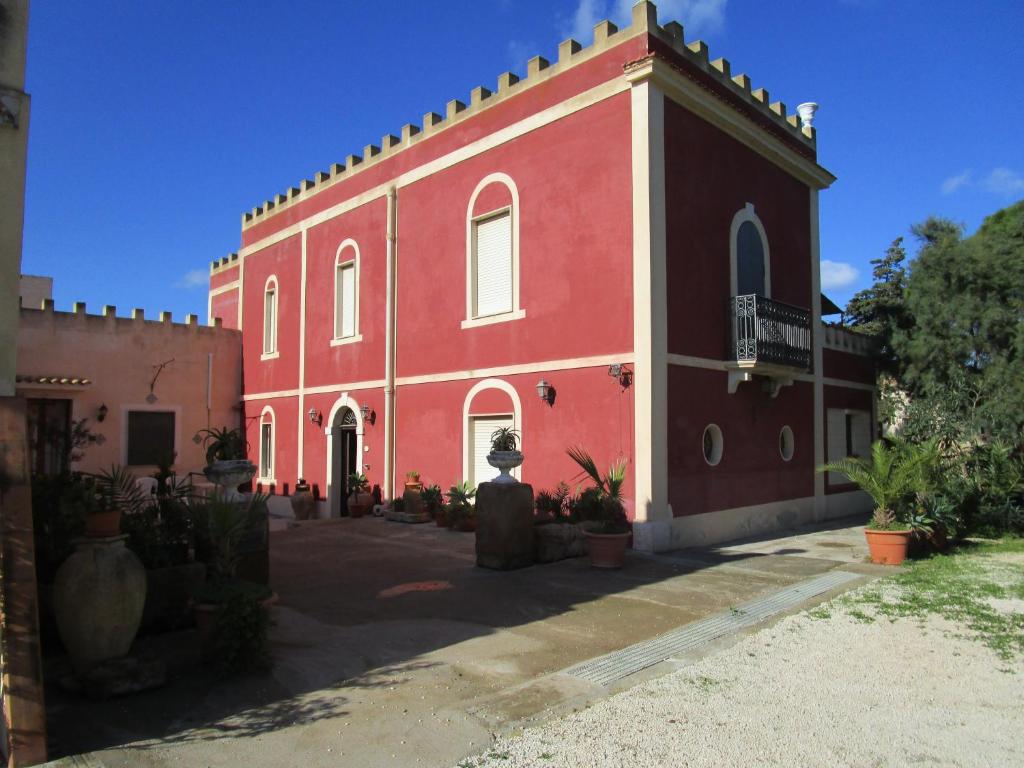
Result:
{"points": [[368, 414], [315, 417], [622, 373], [546, 392], [101, 412]]}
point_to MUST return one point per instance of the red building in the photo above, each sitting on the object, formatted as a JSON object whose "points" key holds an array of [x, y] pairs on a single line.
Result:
{"points": [[631, 225]]}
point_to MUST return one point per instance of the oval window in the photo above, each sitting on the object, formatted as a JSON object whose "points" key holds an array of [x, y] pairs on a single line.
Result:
{"points": [[786, 443], [712, 444]]}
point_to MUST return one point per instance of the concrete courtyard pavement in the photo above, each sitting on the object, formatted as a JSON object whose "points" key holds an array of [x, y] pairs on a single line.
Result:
{"points": [[391, 646]]}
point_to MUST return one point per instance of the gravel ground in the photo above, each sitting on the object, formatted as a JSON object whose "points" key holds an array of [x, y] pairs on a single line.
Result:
{"points": [[804, 692]]}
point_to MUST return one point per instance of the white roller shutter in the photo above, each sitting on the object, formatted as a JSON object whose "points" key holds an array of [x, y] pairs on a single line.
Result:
{"points": [[480, 430], [494, 265], [836, 425], [269, 322], [345, 321]]}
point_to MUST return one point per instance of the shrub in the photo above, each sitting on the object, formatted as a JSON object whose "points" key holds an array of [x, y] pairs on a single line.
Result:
{"points": [[239, 642], [433, 501]]}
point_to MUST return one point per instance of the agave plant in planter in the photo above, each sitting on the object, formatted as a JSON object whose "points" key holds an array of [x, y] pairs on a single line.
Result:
{"points": [[504, 454], [601, 510], [226, 464], [891, 476], [433, 504]]}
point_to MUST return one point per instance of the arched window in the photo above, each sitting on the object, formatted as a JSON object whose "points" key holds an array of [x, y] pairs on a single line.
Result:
{"points": [[489, 405], [748, 245], [346, 294], [270, 292], [266, 466], [492, 252]]}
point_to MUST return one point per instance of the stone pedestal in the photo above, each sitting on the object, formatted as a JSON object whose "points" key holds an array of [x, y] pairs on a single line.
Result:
{"points": [[504, 525]]}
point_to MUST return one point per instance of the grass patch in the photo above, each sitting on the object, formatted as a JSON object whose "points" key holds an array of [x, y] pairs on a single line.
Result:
{"points": [[958, 587]]}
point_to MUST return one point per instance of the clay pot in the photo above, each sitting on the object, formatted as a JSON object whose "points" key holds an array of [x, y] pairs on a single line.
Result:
{"points": [[302, 501], [607, 550], [359, 505], [441, 518], [887, 547], [103, 525], [98, 597]]}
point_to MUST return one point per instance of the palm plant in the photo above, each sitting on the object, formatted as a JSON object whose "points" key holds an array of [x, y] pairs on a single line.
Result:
{"points": [[608, 488], [892, 476], [120, 489]]}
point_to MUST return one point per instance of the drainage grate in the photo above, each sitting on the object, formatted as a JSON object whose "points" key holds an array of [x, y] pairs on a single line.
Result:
{"points": [[615, 666]]}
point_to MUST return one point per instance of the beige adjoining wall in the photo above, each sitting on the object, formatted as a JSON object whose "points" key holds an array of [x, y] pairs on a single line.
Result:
{"points": [[113, 361], [14, 111]]}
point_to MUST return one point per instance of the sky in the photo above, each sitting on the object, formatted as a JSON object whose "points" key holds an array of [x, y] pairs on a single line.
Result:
{"points": [[155, 125]]}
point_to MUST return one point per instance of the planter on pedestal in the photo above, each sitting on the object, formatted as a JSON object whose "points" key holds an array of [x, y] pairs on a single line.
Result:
{"points": [[503, 461], [230, 474], [98, 597]]}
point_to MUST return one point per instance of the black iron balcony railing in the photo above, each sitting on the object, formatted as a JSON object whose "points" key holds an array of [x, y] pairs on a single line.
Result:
{"points": [[769, 332]]}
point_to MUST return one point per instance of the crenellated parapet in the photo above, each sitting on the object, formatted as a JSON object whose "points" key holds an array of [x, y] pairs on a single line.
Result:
{"points": [[108, 319], [225, 262], [538, 70]]}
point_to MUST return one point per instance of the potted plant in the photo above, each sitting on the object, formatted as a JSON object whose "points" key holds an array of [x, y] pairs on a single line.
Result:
{"points": [[222, 525], [504, 454], [302, 500], [601, 511], [226, 464], [412, 481], [360, 501], [459, 511], [889, 477], [556, 535], [433, 503]]}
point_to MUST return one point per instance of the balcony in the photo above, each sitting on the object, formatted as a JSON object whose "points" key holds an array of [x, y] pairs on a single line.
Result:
{"points": [[767, 338]]}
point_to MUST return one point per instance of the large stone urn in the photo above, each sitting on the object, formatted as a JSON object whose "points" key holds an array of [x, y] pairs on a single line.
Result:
{"points": [[230, 474], [503, 461], [303, 502], [98, 597]]}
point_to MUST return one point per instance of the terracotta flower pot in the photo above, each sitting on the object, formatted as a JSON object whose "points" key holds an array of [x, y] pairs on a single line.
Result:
{"points": [[607, 550], [103, 525], [887, 547], [360, 505], [441, 518]]}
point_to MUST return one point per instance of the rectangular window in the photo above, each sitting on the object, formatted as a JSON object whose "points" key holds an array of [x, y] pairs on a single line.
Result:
{"points": [[267, 451], [480, 430], [849, 434], [49, 436], [345, 301], [150, 437], [269, 321], [492, 265]]}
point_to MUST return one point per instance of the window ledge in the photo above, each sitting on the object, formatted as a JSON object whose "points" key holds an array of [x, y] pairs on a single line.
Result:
{"points": [[270, 355], [340, 342], [476, 322], [265, 481]]}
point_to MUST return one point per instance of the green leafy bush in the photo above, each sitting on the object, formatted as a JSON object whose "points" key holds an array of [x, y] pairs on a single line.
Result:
{"points": [[239, 643]]}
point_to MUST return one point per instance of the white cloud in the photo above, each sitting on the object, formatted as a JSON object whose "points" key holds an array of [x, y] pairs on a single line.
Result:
{"points": [[837, 274], [953, 183], [697, 16], [1003, 181], [194, 278]]}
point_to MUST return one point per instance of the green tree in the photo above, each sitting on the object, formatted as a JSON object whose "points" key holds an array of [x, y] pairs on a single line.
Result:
{"points": [[966, 298], [881, 310]]}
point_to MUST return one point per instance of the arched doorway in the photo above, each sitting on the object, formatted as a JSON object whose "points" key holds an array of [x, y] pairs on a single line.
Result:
{"points": [[344, 458]]}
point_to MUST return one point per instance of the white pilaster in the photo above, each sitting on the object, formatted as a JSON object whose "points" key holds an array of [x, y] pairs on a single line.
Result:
{"points": [[816, 341], [653, 523]]}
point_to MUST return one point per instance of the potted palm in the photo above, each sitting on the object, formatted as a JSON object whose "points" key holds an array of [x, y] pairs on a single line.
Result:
{"points": [[459, 511], [433, 504], [890, 477], [601, 511], [504, 454], [360, 500]]}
